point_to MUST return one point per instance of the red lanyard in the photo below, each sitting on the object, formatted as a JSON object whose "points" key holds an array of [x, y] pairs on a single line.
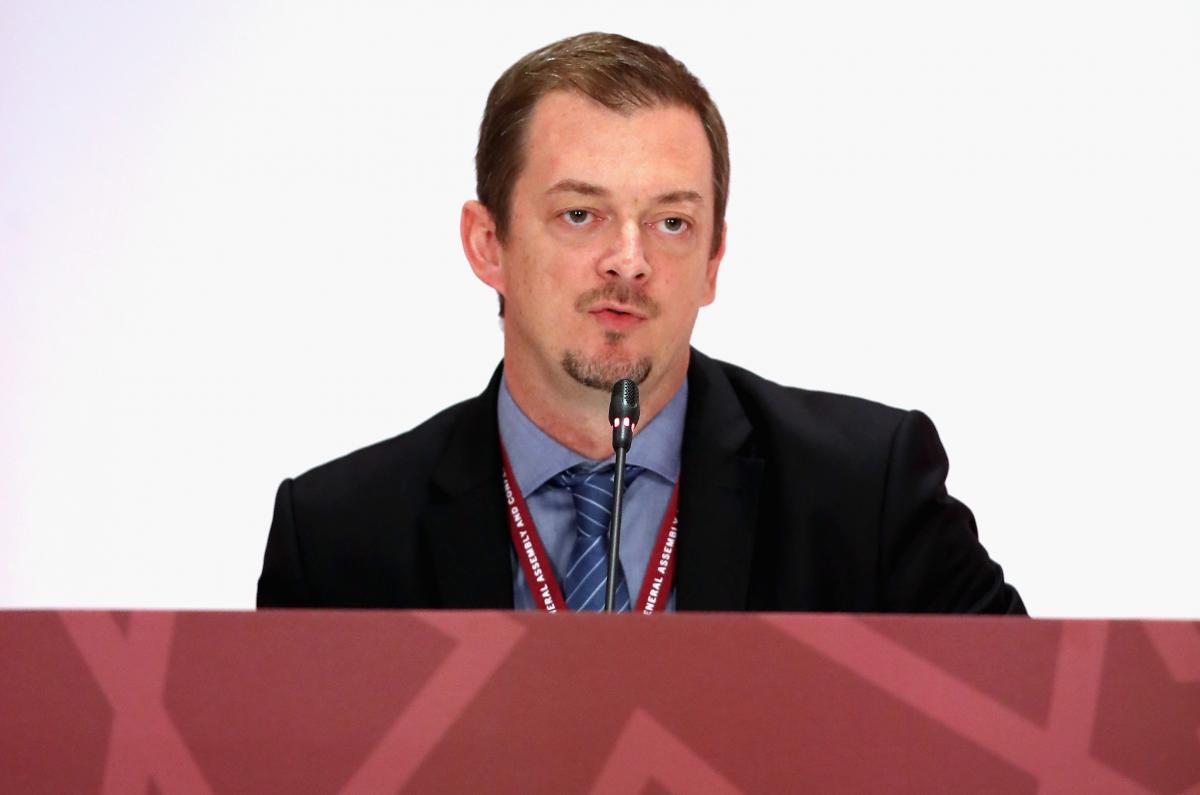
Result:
{"points": [[547, 594]]}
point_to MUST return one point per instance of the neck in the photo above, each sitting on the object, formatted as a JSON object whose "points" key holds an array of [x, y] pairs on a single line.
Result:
{"points": [[576, 416]]}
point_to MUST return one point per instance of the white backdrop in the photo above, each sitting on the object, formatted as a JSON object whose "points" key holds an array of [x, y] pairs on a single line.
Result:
{"points": [[229, 250]]}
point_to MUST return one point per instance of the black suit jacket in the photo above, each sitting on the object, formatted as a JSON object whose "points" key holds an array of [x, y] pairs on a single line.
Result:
{"points": [[789, 500]]}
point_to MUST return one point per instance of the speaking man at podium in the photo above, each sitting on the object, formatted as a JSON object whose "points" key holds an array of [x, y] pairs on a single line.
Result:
{"points": [[602, 177]]}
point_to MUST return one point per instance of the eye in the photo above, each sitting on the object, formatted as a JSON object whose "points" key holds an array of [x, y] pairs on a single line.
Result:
{"points": [[672, 226], [577, 217]]}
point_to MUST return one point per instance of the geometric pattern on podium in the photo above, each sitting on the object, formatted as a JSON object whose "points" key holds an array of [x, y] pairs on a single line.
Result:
{"points": [[378, 701]]}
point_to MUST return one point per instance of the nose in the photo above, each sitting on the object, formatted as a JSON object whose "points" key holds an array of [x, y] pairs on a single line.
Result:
{"points": [[627, 258]]}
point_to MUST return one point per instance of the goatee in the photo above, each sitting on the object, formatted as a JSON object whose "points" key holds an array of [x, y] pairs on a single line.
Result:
{"points": [[601, 373]]}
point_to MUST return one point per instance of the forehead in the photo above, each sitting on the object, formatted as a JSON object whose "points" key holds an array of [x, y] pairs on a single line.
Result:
{"points": [[659, 148]]}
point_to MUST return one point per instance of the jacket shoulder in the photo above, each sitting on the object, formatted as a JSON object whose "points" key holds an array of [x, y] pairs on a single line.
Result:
{"points": [[822, 420], [389, 467]]}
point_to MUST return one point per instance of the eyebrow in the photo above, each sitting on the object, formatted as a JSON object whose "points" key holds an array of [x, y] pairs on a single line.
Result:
{"points": [[675, 196], [588, 189], [577, 186]]}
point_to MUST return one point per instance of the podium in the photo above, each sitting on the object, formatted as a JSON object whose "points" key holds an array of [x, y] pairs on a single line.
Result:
{"points": [[496, 702]]}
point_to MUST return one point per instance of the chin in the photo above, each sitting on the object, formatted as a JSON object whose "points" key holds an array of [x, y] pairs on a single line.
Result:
{"points": [[601, 372]]}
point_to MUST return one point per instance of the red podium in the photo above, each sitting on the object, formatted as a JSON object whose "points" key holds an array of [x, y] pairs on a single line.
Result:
{"points": [[381, 702]]}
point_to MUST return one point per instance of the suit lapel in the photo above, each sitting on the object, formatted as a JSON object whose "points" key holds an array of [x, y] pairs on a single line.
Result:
{"points": [[464, 522], [718, 496]]}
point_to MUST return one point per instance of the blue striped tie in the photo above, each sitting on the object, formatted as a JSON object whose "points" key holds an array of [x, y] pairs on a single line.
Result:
{"points": [[587, 571]]}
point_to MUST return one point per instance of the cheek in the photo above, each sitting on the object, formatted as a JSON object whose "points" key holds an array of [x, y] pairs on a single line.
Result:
{"points": [[682, 279], [544, 284], [557, 270]]}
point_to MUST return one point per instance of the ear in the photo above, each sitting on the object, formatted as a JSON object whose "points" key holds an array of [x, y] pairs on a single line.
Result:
{"points": [[714, 264], [480, 244]]}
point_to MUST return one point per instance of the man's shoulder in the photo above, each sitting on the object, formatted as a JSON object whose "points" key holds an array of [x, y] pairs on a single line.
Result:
{"points": [[390, 464], [791, 412]]}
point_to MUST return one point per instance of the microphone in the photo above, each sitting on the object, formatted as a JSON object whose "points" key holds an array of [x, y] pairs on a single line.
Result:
{"points": [[624, 411]]}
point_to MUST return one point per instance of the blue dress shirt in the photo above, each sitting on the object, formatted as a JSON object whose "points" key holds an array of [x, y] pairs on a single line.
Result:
{"points": [[536, 459]]}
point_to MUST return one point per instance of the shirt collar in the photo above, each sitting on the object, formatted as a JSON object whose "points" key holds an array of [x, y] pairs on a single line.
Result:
{"points": [[536, 457]]}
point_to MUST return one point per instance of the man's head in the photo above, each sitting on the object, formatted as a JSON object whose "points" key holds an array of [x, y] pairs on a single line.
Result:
{"points": [[603, 171], [621, 74]]}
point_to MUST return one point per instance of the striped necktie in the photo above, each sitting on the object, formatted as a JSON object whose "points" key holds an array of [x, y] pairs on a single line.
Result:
{"points": [[587, 570]]}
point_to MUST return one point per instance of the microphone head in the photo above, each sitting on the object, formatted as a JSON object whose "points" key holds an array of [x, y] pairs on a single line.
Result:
{"points": [[624, 411], [624, 402]]}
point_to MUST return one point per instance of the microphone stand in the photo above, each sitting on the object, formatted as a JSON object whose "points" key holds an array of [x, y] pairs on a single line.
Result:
{"points": [[624, 411], [614, 531]]}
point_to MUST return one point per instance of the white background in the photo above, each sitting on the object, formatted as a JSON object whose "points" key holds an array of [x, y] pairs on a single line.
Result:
{"points": [[229, 252]]}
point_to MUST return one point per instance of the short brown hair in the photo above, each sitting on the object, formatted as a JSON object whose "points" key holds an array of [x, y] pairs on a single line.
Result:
{"points": [[619, 73]]}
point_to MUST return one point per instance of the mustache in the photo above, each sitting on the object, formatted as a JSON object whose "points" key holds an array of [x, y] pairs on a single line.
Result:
{"points": [[618, 293]]}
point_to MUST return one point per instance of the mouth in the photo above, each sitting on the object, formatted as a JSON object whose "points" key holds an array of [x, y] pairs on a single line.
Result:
{"points": [[615, 317]]}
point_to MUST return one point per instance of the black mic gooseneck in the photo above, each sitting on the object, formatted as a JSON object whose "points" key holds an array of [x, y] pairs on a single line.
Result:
{"points": [[624, 411]]}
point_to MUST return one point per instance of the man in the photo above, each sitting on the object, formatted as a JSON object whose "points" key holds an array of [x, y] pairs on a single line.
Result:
{"points": [[603, 172]]}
